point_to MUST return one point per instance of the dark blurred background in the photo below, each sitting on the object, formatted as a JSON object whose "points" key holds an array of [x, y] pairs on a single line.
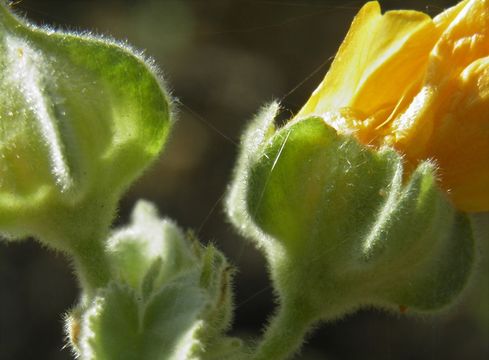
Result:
{"points": [[223, 60]]}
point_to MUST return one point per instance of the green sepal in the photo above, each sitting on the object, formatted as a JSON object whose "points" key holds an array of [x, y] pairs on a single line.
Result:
{"points": [[149, 251], [119, 325], [170, 297], [80, 118], [342, 226]]}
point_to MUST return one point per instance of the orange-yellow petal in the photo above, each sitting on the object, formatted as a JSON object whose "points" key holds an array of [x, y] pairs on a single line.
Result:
{"points": [[448, 120], [380, 55], [421, 86]]}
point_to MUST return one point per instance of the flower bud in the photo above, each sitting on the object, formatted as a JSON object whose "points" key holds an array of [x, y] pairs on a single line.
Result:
{"points": [[80, 118], [340, 224], [420, 85], [170, 298]]}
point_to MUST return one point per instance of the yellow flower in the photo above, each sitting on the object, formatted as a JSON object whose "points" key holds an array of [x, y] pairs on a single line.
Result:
{"points": [[420, 85]]}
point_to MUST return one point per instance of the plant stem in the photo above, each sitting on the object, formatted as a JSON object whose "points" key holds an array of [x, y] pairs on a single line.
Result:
{"points": [[285, 334], [91, 264]]}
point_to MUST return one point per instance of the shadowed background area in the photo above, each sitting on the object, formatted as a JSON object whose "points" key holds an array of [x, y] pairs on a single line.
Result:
{"points": [[224, 59]]}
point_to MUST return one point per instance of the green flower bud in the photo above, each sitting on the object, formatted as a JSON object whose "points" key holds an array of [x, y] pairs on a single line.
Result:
{"points": [[342, 227], [80, 118], [170, 298]]}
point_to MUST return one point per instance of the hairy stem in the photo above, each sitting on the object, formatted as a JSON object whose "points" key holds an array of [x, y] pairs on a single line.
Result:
{"points": [[91, 265], [285, 334]]}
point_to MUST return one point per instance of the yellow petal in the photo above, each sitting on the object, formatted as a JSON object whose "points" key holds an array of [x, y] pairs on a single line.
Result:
{"points": [[460, 143], [452, 127], [380, 56], [444, 19], [465, 40], [421, 86], [448, 120]]}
